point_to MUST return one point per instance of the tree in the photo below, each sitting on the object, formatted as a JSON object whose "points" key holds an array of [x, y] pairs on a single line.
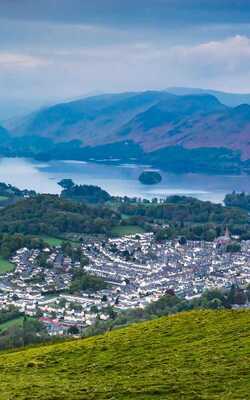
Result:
{"points": [[233, 247], [94, 309], [182, 240], [62, 302], [42, 260], [73, 330], [111, 312], [66, 184], [214, 298], [86, 282], [210, 235], [237, 295], [215, 304], [84, 260]]}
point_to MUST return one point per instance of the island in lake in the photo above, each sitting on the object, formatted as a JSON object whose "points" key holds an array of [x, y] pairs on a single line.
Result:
{"points": [[150, 177]]}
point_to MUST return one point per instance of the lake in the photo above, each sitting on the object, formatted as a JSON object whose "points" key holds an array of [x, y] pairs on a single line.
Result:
{"points": [[117, 179]]}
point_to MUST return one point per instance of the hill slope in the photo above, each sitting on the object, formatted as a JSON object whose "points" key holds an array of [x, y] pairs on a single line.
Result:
{"points": [[153, 120], [93, 120], [197, 355]]}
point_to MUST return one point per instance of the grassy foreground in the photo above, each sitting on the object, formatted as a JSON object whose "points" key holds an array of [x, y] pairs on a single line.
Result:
{"points": [[196, 355]]}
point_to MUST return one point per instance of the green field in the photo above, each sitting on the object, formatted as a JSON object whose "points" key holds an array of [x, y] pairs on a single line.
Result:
{"points": [[3, 198], [52, 241], [126, 230], [5, 266], [12, 322], [202, 355]]}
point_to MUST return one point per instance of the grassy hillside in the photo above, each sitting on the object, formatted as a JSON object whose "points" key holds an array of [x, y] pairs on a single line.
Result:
{"points": [[197, 355]]}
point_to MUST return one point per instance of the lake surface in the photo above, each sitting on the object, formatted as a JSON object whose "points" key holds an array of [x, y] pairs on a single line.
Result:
{"points": [[116, 179]]}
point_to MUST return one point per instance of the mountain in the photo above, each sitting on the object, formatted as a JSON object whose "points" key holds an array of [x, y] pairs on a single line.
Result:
{"points": [[93, 120], [141, 126], [229, 99], [193, 122], [194, 355], [171, 121]]}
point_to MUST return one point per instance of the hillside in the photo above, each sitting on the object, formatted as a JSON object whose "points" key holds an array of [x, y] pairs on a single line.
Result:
{"points": [[140, 127], [196, 355], [93, 120]]}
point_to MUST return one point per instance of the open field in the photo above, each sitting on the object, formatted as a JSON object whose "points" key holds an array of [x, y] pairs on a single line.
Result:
{"points": [[55, 241], [5, 266], [52, 241], [202, 355], [126, 230]]}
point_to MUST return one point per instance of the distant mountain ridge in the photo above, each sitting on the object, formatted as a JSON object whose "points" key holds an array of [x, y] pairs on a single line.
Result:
{"points": [[229, 99], [151, 121], [92, 120]]}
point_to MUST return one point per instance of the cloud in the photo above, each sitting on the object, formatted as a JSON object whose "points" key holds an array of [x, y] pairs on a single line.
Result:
{"points": [[61, 49], [218, 64], [74, 60], [17, 61], [215, 58], [146, 65], [139, 65]]}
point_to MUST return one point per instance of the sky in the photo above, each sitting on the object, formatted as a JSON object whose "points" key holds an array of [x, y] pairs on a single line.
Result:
{"points": [[53, 50]]}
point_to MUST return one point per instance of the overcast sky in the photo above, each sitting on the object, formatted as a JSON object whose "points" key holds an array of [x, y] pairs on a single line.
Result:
{"points": [[57, 49]]}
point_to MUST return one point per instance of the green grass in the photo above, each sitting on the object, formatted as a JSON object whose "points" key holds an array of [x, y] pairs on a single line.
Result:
{"points": [[3, 198], [9, 324], [202, 355], [5, 266], [52, 241], [123, 230]]}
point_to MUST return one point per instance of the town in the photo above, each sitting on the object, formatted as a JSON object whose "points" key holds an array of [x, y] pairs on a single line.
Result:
{"points": [[137, 270]]}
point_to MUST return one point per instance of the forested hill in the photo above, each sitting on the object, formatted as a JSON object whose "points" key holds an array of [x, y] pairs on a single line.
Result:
{"points": [[176, 216], [195, 355], [52, 215]]}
